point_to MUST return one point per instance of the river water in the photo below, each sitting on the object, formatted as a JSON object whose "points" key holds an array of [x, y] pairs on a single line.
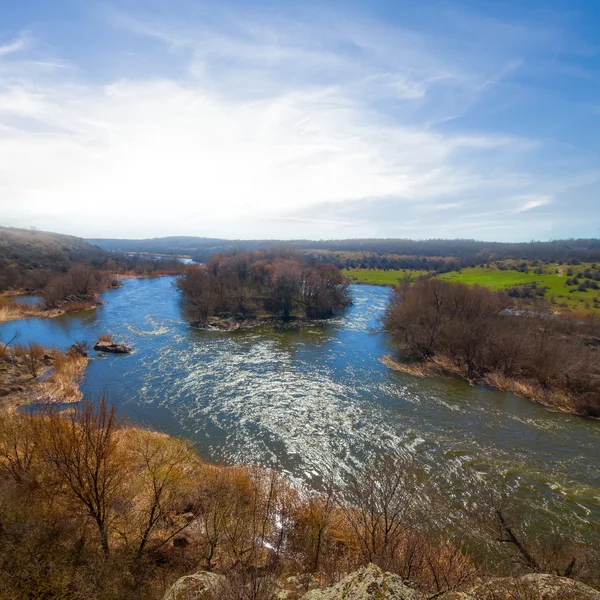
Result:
{"points": [[315, 399]]}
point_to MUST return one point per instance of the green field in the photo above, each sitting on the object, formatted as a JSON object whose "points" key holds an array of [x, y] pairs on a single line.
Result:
{"points": [[558, 291], [379, 276], [554, 278]]}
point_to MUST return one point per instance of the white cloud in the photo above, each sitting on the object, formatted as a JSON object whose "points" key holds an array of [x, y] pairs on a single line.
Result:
{"points": [[16, 45], [266, 125], [526, 202]]}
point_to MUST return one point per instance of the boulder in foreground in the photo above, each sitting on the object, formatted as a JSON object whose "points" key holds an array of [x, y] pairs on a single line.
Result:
{"points": [[368, 583], [200, 586]]}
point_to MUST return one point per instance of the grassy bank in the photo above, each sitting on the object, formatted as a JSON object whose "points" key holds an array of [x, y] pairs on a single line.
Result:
{"points": [[440, 366], [13, 311], [557, 279], [32, 375], [380, 276]]}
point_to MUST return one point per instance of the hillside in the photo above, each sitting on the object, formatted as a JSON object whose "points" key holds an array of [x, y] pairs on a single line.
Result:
{"points": [[32, 249]]}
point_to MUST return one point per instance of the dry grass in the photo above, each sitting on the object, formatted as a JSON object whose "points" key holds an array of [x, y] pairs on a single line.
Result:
{"points": [[56, 380], [530, 390], [437, 367], [104, 337], [12, 311], [443, 367], [62, 384]]}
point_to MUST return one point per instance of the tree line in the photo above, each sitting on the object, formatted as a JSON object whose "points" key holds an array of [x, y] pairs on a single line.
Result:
{"points": [[466, 250], [246, 285], [485, 335]]}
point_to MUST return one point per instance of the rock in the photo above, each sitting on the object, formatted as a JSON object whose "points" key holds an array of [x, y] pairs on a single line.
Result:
{"points": [[368, 583], [111, 347], [80, 348], [534, 587], [195, 587]]}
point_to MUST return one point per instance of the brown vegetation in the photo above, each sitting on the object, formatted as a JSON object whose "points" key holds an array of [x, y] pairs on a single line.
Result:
{"points": [[22, 365], [92, 509], [248, 285], [66, 271], [479, 334]]}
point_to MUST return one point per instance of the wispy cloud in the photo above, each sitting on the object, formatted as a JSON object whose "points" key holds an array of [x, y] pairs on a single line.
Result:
{"points": [[326, 126], [13, 46], [526, 203]]}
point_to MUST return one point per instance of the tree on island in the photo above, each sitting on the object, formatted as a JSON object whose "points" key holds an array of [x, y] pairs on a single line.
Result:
{"points": [[258, 284]]}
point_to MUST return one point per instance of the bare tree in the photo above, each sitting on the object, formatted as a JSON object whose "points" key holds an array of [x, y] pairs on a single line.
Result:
{"points": [[161, 473], [18, 445], [385, 501], [32, 356], [81, 449], [4, 346]]}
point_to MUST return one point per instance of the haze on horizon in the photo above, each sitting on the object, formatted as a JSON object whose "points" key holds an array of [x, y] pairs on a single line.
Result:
{"points": [[268, 119]]}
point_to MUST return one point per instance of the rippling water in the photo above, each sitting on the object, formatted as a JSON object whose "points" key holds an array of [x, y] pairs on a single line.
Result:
{"points": [[308, 400]]}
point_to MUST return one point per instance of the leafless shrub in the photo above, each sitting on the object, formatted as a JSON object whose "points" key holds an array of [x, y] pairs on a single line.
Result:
{"points": [[32, 356]]}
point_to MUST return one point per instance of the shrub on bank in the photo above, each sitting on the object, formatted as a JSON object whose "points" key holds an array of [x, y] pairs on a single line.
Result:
{"points": [[486, 337]]}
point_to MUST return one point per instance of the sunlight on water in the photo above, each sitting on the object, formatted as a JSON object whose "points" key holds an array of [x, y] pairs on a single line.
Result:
{"points": [[316, 399]]}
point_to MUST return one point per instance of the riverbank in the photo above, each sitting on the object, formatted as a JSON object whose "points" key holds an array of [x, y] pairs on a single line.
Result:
{"points": [[439, 366], [32, 375], [15, 311]]}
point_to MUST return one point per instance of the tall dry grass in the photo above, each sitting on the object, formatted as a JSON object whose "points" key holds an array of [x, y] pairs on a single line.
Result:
{"points": [[62, 384]]}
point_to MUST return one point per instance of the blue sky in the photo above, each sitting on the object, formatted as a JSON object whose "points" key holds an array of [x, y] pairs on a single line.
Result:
{"points": [[279, 119]]}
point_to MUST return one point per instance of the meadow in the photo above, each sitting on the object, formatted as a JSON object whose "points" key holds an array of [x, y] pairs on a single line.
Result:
{"points": [[502, 276], [380, 276]]}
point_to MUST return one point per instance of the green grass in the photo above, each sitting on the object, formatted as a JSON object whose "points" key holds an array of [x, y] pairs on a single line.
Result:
{"points": [[496, 279], [557, 291], [378, 276]]}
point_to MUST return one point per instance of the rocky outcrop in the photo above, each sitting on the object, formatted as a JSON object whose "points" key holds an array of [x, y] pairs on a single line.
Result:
{"points": [[112, 347], [200, 586], [368, 583], [534, 586]]}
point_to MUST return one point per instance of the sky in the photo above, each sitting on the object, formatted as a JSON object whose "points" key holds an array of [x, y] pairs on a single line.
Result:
{"points": [[322, 119]]}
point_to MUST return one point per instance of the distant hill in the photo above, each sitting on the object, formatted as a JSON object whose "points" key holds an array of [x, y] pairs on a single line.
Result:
{"points": [[580, 249], [43, 249], [28, 256]]}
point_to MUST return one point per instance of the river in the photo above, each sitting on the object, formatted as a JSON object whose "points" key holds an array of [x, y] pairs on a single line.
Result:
{"points": [[314, 399]]}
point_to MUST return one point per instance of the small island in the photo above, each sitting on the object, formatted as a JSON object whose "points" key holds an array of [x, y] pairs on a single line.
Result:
{"points": [[236, 290]]}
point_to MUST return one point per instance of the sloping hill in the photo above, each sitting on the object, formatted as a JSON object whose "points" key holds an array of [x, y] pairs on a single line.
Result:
{"points": [[42, 248], [23, 252]]}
